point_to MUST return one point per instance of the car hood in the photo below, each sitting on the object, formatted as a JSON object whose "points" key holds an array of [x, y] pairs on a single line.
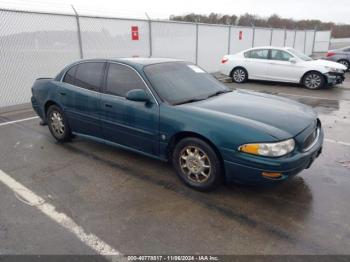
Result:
{"points": [[321, 62], [281, 118]]}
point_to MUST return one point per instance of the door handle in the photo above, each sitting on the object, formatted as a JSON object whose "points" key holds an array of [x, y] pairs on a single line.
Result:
{"points": [[108, 105], [62, 93]]}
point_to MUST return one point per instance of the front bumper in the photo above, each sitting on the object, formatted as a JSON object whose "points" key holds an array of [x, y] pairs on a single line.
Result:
{"points": [[250, 170], [335, 78]]}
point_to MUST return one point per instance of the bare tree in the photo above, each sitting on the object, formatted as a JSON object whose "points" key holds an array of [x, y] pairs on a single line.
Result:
{"points": [[338, 30]]}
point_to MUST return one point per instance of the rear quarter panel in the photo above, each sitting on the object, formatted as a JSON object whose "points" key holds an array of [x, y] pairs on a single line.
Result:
{"points": [[234, 60], [44, 90]]}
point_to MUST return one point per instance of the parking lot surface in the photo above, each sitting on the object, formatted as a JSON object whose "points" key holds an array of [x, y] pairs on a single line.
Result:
{"points": [[137, 205]]}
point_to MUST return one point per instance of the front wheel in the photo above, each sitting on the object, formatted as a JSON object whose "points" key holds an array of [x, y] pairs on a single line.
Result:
{"points": [[58, 124], [197, 164], [239, 75], [345, 63], [314, 80]]}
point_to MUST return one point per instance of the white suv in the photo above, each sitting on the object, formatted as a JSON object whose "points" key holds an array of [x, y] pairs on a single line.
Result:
{"points": [[281, 65]]}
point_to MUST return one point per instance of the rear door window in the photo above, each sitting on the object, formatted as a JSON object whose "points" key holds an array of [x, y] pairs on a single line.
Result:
{"points": [[89, 75], [70, 76], [257, 54], [121, 79], [280, 55]]}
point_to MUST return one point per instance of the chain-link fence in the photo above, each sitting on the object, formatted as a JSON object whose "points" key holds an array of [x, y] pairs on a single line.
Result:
{"points": [[35, 44]]}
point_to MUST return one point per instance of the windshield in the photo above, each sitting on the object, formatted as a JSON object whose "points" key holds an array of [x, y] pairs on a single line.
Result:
{"points": [[299, 54], [181, 82]]}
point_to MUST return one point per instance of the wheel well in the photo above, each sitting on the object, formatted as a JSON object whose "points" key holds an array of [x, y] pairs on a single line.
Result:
{"points": [[47, 105], [231, 73], [312, 71], [186, 134]]}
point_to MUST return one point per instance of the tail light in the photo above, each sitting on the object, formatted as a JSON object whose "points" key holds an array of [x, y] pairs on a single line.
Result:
{"points": [[224, 60], [330, 54]]}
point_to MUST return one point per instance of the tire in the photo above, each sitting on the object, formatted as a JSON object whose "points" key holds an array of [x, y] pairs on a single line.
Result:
{"points": [[197, 164], [346, 63], [239, 75], [58, 124], [314, 80]]}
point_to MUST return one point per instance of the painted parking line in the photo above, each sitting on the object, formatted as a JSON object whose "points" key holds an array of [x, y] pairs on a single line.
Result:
{"points": [[337, 142], [289, 94], [313, 97], [18, 121], [27, 196]]}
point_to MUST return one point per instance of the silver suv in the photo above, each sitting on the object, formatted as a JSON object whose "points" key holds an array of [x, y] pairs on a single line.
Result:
{"points": [[341, 55]]}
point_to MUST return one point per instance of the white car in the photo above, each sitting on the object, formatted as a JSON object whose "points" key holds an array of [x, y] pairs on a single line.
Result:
{"points": [[281, 64]]}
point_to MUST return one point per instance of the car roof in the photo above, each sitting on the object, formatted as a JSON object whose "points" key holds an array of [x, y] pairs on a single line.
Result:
{"points": [[135, 61], [270, 47]]}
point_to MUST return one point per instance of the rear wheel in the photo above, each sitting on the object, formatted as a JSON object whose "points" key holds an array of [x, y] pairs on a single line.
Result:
{"points": [[345, 62], [314, 80], [239, 75], [197, 164], [58, 124]]}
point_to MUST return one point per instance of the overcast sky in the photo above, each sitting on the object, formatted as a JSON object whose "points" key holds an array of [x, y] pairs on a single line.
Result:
{"points": [[326, 10]]}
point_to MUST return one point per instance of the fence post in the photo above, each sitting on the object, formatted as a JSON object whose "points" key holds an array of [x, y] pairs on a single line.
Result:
{"points": [[253, 35], [330, 37], [150, 37], [229, 40], [79, 33], [305, 35], [271, 35], [196, 43], [285, 37], [295, 37], [313, 44]]}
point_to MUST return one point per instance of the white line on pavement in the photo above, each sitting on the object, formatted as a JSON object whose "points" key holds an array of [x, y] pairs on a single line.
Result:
{"points": [[289, 94], [49, 210], [338, 142], [17, 121], [314, 97]]}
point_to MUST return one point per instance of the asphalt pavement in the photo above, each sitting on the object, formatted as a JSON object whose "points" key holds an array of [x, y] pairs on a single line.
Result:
{"points": [[94, 198]]}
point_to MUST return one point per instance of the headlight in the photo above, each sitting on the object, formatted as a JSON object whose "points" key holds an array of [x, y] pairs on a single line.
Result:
{"points": [[269, 149], [332, 69]]}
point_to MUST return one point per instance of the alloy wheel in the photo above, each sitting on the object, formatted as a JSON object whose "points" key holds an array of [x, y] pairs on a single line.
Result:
{"points": [[239, 75], [195, 164], [313, 81], [57, 123], [345, 63]]}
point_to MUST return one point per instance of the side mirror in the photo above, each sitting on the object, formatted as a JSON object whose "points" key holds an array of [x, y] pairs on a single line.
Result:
{"points": [[137, 95], [293, 60]]}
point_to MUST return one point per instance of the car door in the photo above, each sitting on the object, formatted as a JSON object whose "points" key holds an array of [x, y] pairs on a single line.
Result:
{"points": [[256, 62], [281, 69], [80, 97], [129, 123]]}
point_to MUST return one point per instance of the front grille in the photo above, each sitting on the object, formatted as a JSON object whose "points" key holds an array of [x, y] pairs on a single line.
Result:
{"points": [[336, 73], [312, 138]]}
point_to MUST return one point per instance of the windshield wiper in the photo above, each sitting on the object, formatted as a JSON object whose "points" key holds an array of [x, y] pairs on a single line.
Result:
{"points": [[219, 93], [189, 101]]}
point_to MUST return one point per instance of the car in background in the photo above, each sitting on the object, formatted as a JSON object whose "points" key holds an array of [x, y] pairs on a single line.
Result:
{"points": [[341, 55], [175, 111], [281, 64]]}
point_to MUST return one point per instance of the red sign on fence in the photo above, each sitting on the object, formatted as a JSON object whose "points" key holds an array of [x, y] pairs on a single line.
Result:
{"points": [[240, 36], [134, 33]]}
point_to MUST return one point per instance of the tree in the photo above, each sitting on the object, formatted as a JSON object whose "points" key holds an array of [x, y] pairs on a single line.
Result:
{"points": [[338, 30]]}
